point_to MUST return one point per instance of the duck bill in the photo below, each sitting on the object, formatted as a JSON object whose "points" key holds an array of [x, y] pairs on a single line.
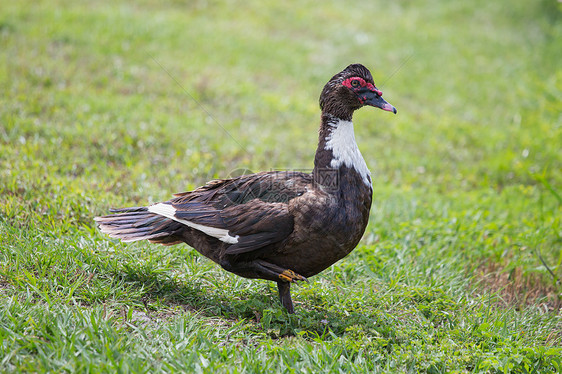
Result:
{"points": [[373, 99]]}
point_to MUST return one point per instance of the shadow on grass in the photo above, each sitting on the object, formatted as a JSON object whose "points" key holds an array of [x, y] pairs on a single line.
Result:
{"points": [[262, 311]]}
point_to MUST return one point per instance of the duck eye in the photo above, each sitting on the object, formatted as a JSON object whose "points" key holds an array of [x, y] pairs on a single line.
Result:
{"points": [[355, 83]]}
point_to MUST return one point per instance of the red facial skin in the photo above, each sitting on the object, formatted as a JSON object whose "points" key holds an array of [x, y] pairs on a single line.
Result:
{"points": [[362, 84]]}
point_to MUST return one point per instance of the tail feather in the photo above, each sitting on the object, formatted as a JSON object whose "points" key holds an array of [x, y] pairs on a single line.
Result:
{"points": [[133, 224], [130, 209], [168, 240]]}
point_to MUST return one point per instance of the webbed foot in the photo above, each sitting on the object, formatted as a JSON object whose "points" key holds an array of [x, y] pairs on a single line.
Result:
{"points": [[290, 276]]}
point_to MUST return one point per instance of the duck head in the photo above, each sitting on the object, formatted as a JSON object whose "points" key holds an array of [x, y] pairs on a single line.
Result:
{"points": [[349, 90]]}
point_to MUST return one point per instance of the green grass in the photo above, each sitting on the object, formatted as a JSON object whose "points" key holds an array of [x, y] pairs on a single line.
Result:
{"points": [[110, 104]]}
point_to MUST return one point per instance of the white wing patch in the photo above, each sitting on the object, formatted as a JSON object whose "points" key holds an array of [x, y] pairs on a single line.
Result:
{"points": [[344, 148], [168, 211]]}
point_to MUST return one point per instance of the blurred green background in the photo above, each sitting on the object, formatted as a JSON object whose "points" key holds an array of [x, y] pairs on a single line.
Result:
{"points": [[110, 103]]}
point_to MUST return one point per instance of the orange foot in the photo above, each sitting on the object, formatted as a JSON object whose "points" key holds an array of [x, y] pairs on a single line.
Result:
{"points": [[291, 276]]}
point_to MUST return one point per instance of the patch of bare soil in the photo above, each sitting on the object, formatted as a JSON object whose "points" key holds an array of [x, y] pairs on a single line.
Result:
{"points": [[519, 290]]}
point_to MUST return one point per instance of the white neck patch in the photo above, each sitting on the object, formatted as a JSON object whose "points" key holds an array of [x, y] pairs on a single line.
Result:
{"points": [[344, 148]]}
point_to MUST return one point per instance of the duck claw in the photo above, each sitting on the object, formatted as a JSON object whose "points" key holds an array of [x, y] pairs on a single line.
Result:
{"points": [[291, 277]]}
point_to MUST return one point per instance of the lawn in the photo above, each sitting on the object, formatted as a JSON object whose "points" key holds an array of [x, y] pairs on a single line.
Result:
{"points": [[110, 104]]}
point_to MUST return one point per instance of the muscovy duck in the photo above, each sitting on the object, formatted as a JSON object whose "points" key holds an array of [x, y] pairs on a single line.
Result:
{"points": [[278, 226]]}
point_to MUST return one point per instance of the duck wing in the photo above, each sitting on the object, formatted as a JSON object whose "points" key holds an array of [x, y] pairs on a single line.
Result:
{"points": [[248, 212]]}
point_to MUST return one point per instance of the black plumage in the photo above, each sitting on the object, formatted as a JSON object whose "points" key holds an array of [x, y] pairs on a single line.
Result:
{"points": [[279, 226]]}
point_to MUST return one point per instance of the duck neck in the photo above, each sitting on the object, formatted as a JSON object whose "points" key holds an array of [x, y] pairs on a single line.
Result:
{"points": [[337, 154]]}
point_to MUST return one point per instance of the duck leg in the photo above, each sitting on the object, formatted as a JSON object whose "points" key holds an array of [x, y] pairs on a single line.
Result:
{"points": [[261, 269], [285, 296], [266, 270]]}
